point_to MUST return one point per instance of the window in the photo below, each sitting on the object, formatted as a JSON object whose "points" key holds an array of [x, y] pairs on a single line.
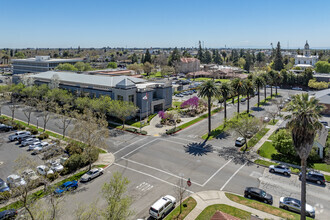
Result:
{"points": [[120, 97], [131, 98]]}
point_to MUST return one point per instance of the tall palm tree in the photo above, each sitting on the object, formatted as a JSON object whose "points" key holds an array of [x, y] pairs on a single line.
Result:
{"points": [[304, 125], [258, 82], [271, 81], [266, 81], [225, 91], [277, 80], [249, 89], [208, 90], [238, 86]]}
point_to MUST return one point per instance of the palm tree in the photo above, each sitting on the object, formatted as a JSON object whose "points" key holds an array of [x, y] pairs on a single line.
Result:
{"points": [[225, 91], [304, 125], [249, 89], [266, 81], [258, 82], [209, 90], [277, 80], [271, 81], [238, 86]]}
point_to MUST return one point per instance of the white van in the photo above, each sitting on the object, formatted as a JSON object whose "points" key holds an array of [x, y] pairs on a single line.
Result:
{"points": [[240, 141], [160, 208]]}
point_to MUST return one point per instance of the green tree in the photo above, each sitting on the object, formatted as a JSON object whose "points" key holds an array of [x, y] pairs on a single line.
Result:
{"points": [[225, 90], [249, 90], [248, 62], [112, 65], [241, 62], [258, 82], [134, 58], [174, 57], [217, 58], [277, 80], [117, 201], [200, 53], [278, 62], [20, 55], [266, 80], [260, 57], [207, 57], [283, 143], [80, 66], [271, 77], [304, 124], [122, 110], [167, 71], [238, 86], [148, 67], [147, 57], [208, 90], [66, 67], [322, 67]]}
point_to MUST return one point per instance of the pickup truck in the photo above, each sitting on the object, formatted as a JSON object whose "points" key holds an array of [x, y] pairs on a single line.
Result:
{"points": [[17, 135]]}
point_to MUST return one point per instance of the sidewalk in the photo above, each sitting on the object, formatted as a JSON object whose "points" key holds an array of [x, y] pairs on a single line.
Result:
{"points": [[207, 198]]}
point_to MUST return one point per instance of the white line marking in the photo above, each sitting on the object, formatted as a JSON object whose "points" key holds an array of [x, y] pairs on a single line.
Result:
{"points": [[191, 141], [216, 172], [164, 181], [139, 147], [129, 145], [232, 176], [154, 168]]}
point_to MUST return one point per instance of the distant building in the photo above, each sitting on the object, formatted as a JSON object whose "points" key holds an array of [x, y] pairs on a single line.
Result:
{"points": [[39, 64], [306, 60], [187, 65], [150, 97]]}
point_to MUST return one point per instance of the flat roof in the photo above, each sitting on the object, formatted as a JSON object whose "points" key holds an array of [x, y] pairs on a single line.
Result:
{"points": [[97, 80], [49, 60]]}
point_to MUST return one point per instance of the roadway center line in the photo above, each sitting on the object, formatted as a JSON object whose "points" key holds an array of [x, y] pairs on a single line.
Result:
{"points": [[216, 172], [129, 145], [139, 147], [233, 176], [164, 181], [168, 173]]}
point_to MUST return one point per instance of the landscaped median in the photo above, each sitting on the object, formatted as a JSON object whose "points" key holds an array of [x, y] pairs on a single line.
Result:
{"points": [[255, 139], [186, 207], [263, 207], [209, 211], [189, 123]]}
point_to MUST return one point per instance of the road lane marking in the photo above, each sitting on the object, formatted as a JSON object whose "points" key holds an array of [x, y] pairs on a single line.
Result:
{"points": [[217, 172], [129, 145], [213, 146], [146, 174], [144, 187], [139, 147], [163, 171], [233, 176]]}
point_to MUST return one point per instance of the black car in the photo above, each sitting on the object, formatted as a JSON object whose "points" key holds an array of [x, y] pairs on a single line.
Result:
{"points": [[313, 176], [258, 194], [8, 214], [5, 128]]}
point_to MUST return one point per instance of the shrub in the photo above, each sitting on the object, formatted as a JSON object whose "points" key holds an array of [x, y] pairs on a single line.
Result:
{"points": [[33, 131], [74, 148], [151, 117], [74, 162], [43, 136], [134, 130], [172, 131], [4, 196], [52, 176]]}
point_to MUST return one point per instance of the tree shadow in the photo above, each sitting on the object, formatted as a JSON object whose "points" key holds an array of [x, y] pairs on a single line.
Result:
{"points": [[223, 135], [257, 109], [198, 149], [237, 156]]}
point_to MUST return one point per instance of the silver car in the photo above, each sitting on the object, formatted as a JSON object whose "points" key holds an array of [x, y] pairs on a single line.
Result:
{"points": [[29, 141], [93, 173], [292, 204]]}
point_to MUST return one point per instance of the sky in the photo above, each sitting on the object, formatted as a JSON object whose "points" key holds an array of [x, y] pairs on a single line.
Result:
{"points": [[164, 23]]}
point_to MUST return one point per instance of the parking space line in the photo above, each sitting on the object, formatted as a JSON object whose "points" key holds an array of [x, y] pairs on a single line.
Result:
{"points": [[129, 145], [233, 176], [217, 172], [146, 174], [154, 168]]}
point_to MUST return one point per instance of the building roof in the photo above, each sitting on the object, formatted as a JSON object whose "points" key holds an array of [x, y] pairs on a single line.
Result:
{"points": [[75, 78], [47, 59], [188, 60], [323, 96]]}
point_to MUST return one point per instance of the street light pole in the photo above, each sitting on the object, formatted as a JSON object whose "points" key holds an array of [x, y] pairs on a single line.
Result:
{"points": [[37, 122]]}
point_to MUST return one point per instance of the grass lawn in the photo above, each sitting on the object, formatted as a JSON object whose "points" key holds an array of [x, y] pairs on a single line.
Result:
{"points": [[256, 138], [273, 122], [264, 162], [205, 79], [322, 166], [271, 137], [267, 149], [263, 207], [187, 205], [176, 104], [327, 178], [209, 211], [263, 102]]}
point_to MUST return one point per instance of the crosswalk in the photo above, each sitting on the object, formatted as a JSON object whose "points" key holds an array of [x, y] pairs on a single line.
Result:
{"points": [[144, 187]]}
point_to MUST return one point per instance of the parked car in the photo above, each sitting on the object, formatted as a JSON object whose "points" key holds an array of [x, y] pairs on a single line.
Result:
{"points": [[266, 119], [313, 176], [8, 214], [325, 123], [14, 137], [37, 144], [29, 141], [281, 106], [268, 86], [243, 99], [67, 186], [14, 180], [30, 175], [23, 137], [162, 206], [280, 169], [42, 148], [93, 173], [240, 141], [297, 88], [258, 194], [292, 204], [56, 166], [179, 95], [5, 128], [3, 186], [44, 170]]}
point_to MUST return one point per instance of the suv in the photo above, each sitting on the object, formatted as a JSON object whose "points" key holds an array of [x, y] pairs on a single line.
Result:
{"points": [[240, 141], [14, 137], [280, 169], [258, 194], [5, 128], [315, 177], [162, 206], [29, 141]]}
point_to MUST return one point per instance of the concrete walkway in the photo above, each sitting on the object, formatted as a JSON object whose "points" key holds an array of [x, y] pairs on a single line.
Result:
{"points": [[207, 198]]}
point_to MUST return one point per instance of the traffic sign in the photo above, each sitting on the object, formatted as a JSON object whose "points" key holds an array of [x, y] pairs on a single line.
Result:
{"points": [[189, 182]]}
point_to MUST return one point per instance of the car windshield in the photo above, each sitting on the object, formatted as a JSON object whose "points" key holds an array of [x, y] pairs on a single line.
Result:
{"points": [[62, 187], [89, 172], [3, 185], [263, 193]]}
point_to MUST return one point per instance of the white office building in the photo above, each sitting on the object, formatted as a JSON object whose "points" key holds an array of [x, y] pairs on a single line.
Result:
{"points": [[306, 60]]}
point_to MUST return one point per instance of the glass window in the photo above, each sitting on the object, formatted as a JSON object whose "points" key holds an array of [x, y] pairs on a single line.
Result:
{"points": [[131, 98], [120, 97]]}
